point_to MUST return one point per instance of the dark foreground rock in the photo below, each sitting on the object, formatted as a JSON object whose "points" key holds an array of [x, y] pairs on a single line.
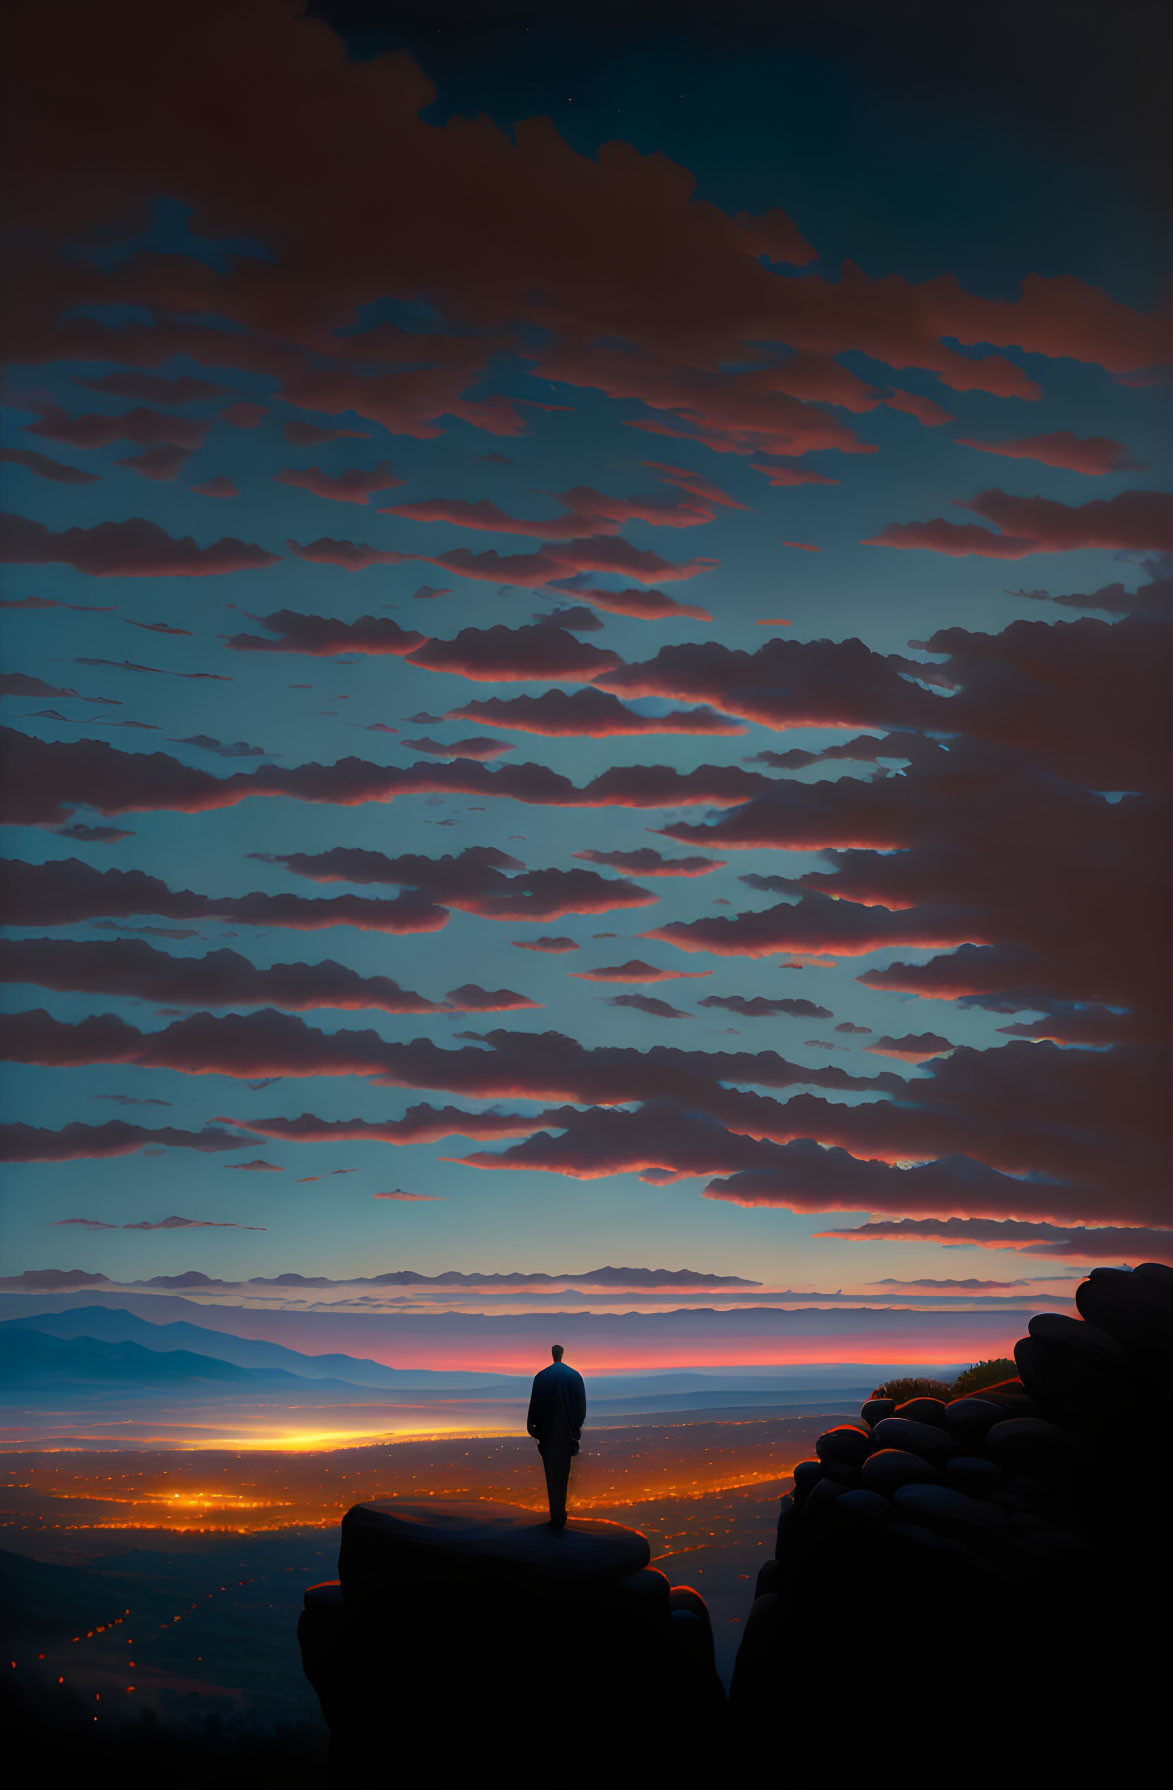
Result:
{"points": [[479, 1642], [1000, 1586], [973, 1591]]}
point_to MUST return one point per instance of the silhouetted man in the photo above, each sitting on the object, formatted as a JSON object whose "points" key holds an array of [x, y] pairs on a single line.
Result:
{"points": [[557, 1409]]}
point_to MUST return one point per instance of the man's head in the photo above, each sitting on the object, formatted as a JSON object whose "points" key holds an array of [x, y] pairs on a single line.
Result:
{"points": [[556, 1351]]}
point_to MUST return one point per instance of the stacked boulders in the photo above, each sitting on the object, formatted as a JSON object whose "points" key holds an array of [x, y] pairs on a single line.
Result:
{"points": [[1007, 1550], [459, 1637]]}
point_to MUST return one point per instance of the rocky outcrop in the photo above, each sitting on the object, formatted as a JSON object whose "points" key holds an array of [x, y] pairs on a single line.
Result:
{"points": [[970, 1590], [982, 1584], [476, 1640]]}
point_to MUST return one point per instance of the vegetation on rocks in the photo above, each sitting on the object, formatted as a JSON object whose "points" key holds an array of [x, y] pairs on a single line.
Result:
{"points": [[983, 1373], [900, 1390]]}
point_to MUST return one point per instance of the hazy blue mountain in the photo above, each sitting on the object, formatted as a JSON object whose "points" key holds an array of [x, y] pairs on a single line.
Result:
{"points": [[33, 1363], [118, 1325]]}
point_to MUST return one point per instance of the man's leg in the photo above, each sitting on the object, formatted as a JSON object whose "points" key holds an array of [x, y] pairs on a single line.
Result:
{"points": [[557, 1466]]}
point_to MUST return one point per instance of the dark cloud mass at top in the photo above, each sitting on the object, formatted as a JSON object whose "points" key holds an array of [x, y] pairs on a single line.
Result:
{"points": [[943, 799]]}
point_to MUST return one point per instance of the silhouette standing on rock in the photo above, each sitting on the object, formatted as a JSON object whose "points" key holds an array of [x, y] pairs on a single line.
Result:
{"points": [[557, 1409]]}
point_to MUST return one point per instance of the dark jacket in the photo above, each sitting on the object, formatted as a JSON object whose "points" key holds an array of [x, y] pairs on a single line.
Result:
{"points": [[557, 1407]]}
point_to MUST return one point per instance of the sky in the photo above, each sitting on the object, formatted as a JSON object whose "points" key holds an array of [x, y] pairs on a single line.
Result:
{"points": [[584, 623]]}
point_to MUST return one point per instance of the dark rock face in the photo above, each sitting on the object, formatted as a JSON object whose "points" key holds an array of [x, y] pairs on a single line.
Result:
{"points": [[1013, 1544], [923, 1439], [847, 1445], [923, 1410], [463, 1621], [892, 1467], [1010, 1551]]}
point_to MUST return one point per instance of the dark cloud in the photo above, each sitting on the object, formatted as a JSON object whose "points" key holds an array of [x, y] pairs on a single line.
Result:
{"points": [[19, 683], [133, 549], [164, 1224], [74, 1142], [474, 881], [46, 468], [46, 779], [539, 650], [130, 1100], [134, 969], [222, 748], [51, 1280], [912, 1047], [635, 970], [1094, 454], [562, 559], [816, 925], [162, 463], [325, 636], [144, 427], [66, 890], [480, 746], [303, 434], [1103, 1243], [522, 1065], [469, 998], [647, 862], [153, 388], [351, 556], [1137, 521], [646, 1003], [761, 1007], [806, 1177], [94, 835], [639, 602], [552, 945], [419, 1125], [568, 713], [587, 512], [353, 486]]}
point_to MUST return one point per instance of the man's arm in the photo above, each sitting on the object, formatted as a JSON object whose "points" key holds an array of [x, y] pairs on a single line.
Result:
{"points": [[531, 1420], [578, 1412]]}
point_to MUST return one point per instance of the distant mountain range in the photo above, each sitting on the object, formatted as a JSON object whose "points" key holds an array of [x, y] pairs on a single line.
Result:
{"points": [[88, 1367], [95, 1352], [117, 1325]]}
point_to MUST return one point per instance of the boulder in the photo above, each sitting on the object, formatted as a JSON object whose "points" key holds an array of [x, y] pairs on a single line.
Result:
{"points": [[974, 1474], [875, 1408], [1084, 1340], [806, 1476], [1030, 1445], [769, 1578], [822, 1495], [915, 1538], [1134, 1308], [401, 1547], [847, 1445], [445, 1615], [923, 1410], [892, 1467], [863, 1507], [969, 1418], [949, 1512], [1071, 1388], [925, 1439]]}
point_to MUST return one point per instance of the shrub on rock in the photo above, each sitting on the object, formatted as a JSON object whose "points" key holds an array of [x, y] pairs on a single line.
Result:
{"points": [[901, 1390], [983, 1373]]}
